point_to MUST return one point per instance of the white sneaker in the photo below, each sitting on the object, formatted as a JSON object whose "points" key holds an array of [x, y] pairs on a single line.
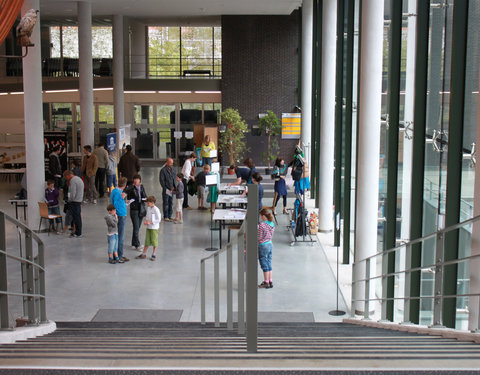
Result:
{"points": [[94, 201]]}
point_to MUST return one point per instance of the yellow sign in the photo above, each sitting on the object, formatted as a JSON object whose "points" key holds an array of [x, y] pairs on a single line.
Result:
{"points": [[291, 125]]}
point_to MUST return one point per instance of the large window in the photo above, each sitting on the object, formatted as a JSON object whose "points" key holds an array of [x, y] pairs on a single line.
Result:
{"points": [[64, 41], [184, 51]]}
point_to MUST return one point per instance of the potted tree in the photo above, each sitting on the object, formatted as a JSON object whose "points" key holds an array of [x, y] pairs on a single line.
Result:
{"points": [[232, 139], [270, 125]]}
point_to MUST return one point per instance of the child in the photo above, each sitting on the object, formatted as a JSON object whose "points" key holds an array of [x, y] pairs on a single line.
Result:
{"points": [[152, 221], [111, 172], [51, 197], [213, 192], [256, 179], [265, 247], [112, 235], [179, 201], [201, 186]]}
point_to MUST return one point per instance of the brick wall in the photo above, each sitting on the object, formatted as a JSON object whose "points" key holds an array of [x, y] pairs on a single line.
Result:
{"points": [[260, 72]]}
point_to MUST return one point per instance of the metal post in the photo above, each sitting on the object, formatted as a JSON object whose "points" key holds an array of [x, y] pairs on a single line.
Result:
{"points": [[385, 294], [366, 309], [216, 282], [354, 296], [418, 168], [229, 287], [407, 286], [30, 278], [252, 265], [438, 283], [3, 275], [392, 169], [41, 276], [202, 292], [241, 283], [455, 153]]}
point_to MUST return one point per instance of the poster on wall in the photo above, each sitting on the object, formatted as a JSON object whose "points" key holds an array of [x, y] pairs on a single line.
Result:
{"points": [[123, 137], [51, 140], [291, 125], [111, 142]]}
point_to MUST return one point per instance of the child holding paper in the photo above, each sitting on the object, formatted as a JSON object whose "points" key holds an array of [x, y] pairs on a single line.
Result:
{"points": [[152, 221]]}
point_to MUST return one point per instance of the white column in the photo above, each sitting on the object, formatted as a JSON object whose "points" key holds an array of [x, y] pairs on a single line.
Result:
{"points": [[307, 61], [138, 48], [474, 305], [327, 115], [33, 115], [408, 119], [86, 73], [118, 95], [368, 138]]}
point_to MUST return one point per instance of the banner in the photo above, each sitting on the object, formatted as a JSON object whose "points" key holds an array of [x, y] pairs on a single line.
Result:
{"points": [[112, 142], [50, 141]]}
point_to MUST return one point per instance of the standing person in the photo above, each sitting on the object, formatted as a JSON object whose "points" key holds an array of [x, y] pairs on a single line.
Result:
{"points": [[201, 183], [112, 235], [152, 221], [167, 181], [179, 194], [111, 172], [89, 170], [51, 197], [207, 146], [213, 193], [75, 198], [136, 196], [188, 171], [54, 166], [128, 165], [265, 247], [117, 198], [102, 159], [244, 174], [256, 179], [279, 173]]}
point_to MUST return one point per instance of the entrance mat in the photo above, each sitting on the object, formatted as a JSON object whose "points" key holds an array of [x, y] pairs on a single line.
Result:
{"points": [[137, 315], [282, 317]]}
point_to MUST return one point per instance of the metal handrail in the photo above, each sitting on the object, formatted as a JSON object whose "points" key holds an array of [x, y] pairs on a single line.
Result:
{"points": [[32, 275], [437, 268], [247, 294]]}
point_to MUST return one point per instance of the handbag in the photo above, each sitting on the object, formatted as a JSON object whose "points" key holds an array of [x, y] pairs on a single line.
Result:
{"points": [[143, 210]]}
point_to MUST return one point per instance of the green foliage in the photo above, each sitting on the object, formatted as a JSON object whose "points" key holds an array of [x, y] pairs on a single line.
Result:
{"points": [[271, 126], [232, 140]]}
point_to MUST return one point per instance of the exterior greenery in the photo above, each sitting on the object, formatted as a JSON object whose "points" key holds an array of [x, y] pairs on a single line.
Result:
{"points": [[232, 140], [271, 126]]}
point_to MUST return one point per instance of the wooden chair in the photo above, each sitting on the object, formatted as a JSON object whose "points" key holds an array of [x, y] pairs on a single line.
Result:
{"points": [[232, 227], [42, 206]]}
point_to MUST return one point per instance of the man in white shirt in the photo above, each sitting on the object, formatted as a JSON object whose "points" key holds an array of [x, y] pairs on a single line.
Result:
{"points": [[188, 172]]}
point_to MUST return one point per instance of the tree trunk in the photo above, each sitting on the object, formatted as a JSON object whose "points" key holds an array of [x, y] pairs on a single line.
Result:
{"points": [[230, 154], [268, 152]]}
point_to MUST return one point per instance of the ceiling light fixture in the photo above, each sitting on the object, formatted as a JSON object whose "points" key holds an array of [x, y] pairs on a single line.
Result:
{"points": [[139, 92], [57, 91], [175, 92], [17, 93], [103, 89]]}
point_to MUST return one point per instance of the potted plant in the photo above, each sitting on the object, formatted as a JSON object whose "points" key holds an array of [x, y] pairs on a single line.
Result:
{"points": [[271, 126], [232, 139]]}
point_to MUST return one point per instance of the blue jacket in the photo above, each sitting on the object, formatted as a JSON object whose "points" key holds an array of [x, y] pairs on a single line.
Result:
{"points": [[119, 203]]}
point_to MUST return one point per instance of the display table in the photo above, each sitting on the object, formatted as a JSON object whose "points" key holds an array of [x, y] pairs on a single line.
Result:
{"points": [[232, 201], [235, 189], [228, 217]]}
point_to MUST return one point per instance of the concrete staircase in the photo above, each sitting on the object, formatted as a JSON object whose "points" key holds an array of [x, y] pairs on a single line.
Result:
{"points": [[190, 348]]}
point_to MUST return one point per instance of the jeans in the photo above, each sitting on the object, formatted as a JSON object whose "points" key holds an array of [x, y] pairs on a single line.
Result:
{"points": [[167, 205], [122, 220], [54, 211], [207, 161], [76, 211], [185, 193], [91, 192], [136, 222], [100, 181], [112, 244], [265, 256], [111, 180]]}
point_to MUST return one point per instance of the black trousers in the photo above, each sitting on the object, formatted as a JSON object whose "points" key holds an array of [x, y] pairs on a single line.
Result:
{"points": [[185, 193], [284, 201], [100, 181], [76, 211], [136, 223]]}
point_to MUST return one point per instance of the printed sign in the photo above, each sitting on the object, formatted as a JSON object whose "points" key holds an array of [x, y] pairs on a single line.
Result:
{"points": [[291, 125]]}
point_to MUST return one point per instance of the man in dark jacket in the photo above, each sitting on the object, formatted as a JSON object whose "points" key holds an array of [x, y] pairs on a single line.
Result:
{"points": [[167, 180], [54, 166], [128, 165]]}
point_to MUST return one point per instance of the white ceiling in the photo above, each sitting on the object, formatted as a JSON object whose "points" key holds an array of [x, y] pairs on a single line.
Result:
{"points": [[149, 9]]}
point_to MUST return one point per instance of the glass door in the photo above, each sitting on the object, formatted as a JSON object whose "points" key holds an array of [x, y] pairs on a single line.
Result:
{"points": [[165, 119], [145, 131]]}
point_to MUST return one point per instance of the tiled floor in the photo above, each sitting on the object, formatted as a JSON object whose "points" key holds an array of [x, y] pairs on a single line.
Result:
{"points": [[80, 281]]}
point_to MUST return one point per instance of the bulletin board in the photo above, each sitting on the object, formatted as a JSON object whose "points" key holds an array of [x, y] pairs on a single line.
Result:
{"points": [[291, 125]]}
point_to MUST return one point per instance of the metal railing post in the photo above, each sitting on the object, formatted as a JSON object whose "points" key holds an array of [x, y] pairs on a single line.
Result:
{"points": [[30, 278], [366, 308], [241, 283], [3, 276], [384, 287], [229, 287], [438, 282], [408, 278], [216, 265], [202, 292], [354, 296], [41, 276], [252, 266]]}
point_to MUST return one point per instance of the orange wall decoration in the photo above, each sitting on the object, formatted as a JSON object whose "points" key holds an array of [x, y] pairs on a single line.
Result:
{"points": [[9, 10]]}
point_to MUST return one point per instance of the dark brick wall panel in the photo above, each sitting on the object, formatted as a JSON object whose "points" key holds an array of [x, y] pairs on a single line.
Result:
{"points": [[260, 72]]}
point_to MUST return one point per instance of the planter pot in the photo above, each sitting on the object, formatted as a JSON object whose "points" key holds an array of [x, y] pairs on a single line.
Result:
{"points": [[231, 171]]}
